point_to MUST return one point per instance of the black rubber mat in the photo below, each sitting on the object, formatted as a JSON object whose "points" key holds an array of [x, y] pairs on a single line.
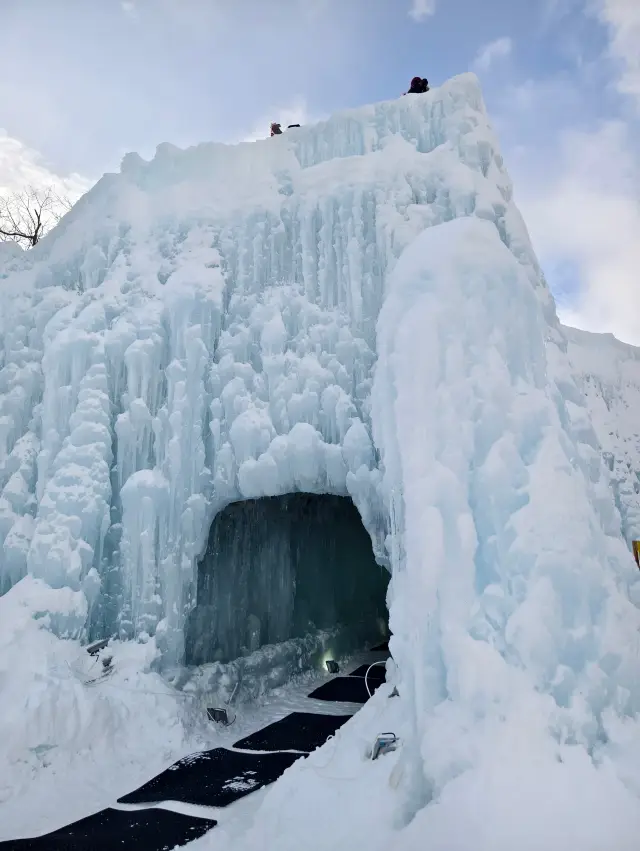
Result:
{"points": [[144, 830], [350, 689], [300, 731], [381, 648], [212, 778], [377, 673]]}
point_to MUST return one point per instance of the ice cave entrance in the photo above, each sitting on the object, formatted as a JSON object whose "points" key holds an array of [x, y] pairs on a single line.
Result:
{"points": [[284, 567]]}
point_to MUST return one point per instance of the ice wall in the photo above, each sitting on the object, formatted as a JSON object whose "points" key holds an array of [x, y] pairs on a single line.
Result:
{"points": [[200, 329], [608, 373], [512, 590]]}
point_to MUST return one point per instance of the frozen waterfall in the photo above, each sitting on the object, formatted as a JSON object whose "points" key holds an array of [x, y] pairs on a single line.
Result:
{"points": [[352, 309], [201, 329]]}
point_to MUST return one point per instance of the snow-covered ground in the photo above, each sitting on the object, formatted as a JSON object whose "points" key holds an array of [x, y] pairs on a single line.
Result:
{"points": [[351, 308], [75, 748]]}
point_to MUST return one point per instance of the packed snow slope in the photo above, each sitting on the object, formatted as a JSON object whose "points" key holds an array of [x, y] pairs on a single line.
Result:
{"points": [[351, 308]]}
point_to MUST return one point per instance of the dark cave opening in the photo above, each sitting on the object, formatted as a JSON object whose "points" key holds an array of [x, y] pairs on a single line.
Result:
{"points": [[283, 567]]}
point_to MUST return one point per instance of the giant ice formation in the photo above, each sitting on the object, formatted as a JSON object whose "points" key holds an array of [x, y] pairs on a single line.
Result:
{"points": [[353, 308]]}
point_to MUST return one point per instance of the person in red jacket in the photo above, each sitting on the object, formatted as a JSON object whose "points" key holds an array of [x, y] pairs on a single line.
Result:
{"points": [[276, 130]]}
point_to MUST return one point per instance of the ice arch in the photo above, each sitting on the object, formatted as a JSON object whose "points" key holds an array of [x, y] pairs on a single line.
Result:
{"points": [[278, 568]]}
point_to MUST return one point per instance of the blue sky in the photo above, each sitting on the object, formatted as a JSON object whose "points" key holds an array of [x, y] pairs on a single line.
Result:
{"points": [[98, 78]]}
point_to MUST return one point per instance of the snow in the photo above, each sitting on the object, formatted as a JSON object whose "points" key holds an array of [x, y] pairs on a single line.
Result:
{"points": [[517, 796], [354, 309], [58, 737], [68, 748]]}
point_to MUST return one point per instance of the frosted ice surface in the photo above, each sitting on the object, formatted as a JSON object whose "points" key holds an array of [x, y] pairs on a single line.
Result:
{"points": [[513, 583], [206, 327], [608, 373]]}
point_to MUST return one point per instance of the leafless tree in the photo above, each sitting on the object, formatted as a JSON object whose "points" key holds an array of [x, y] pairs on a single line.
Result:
{"points": [[27, 215]]}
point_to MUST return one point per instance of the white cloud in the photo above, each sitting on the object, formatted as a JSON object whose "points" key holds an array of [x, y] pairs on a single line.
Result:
{"points": [[622, 17], [497, 49], [422, 9], [21, 167], [129, 8], [586, 213], [577, 179]]}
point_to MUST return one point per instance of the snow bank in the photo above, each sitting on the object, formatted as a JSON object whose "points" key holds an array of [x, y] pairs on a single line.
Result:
{"points": [[351, 308], [524, 792], [59, 733], [528, 795]]}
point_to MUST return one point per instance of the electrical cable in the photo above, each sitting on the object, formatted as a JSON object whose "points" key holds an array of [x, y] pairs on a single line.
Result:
{"points": [[372, 665]]}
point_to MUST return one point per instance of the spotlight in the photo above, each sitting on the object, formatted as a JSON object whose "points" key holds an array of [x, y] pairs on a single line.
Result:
{"points": [[384, 743], [95, 647], [332, 666], [219, 716]]}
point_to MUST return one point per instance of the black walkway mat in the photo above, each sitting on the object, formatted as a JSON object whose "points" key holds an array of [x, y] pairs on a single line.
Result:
{"points": [[381, 648], [349, 689], [212, 778], [144, 830], [377, 673], [301, 731]]}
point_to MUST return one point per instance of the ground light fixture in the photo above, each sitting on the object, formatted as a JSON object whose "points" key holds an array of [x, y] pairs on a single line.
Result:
{"points": [[332, 666], [384, 743], [96, 646], [219, 715]]}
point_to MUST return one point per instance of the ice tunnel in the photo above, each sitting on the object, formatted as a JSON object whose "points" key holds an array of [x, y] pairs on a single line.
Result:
{"points": [[283, 567]]}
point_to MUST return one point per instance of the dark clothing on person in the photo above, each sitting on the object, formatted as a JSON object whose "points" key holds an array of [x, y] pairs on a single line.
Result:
{"points": [[419, 85], [276, 130]]}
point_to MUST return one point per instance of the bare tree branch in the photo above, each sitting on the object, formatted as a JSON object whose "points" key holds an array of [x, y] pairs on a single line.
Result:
{"points": [[27, 215]]}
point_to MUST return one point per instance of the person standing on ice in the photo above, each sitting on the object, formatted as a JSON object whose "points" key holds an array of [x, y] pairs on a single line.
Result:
{"points": [[276, 130], [419, 85]]}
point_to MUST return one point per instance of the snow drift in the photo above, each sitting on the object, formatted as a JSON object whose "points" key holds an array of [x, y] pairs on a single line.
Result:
{"points": [[354, 309]]}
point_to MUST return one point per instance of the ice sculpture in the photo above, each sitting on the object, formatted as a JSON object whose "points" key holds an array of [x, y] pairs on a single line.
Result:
{"points": [[353, 309]]}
